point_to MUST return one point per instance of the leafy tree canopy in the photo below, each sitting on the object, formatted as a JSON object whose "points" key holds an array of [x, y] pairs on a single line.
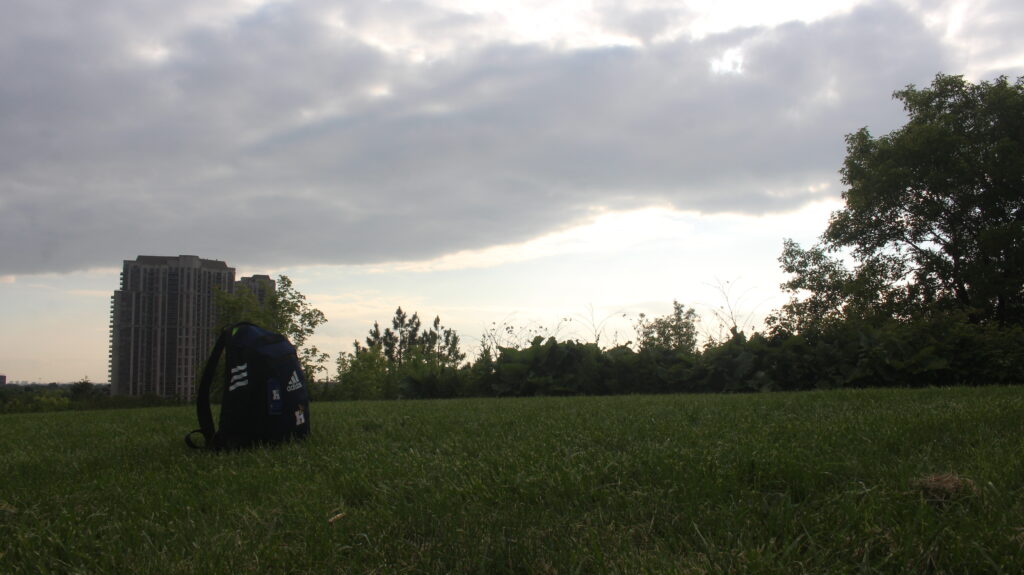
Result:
{"points": [[406, 339], [676, 332], [404, 360], [933, 217], [284, 310]]}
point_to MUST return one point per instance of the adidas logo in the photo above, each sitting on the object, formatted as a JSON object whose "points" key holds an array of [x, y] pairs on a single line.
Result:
{"points": [[294, 383], [239, 376]]}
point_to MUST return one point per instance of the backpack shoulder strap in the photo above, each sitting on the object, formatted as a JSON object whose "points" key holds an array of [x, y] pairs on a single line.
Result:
{"points": [[203, 411]]}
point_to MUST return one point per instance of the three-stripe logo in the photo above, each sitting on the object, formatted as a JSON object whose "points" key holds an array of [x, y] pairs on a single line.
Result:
{"points": [[239, 376]]}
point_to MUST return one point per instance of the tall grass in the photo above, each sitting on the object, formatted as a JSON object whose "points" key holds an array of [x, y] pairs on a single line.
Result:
{"points": [[865, 481]]}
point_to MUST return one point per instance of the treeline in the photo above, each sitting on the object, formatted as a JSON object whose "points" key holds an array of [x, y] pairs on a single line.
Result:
{"points": [[81, 395], [947, 350]]}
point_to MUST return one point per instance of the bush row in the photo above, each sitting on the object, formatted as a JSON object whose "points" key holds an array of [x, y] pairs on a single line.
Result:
{"points": [[926, 352]]}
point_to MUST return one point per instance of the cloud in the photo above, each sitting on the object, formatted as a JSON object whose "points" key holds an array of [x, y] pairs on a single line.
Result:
{"points": [[989, 34], [303, 133]]}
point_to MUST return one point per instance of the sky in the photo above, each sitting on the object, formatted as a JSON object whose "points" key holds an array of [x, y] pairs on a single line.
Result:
{"points": [[559, 167]]}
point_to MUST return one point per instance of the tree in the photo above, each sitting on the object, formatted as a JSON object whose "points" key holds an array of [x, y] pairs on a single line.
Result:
{"points": [[406, 340], [933, 215], [84, 390], [404, 358], [286, 311], [297, 319], [363, 374], [676, 332], [823, 292]]}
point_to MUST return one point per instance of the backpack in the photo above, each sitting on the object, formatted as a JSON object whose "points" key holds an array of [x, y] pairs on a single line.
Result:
{"points": [[264, 398]]}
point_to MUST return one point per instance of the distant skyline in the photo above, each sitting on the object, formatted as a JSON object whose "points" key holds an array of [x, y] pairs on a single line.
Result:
{"points": [[522, 162]]}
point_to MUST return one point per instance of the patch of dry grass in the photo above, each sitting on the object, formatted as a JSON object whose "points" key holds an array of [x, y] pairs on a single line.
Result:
{"points": [[943, 488]]}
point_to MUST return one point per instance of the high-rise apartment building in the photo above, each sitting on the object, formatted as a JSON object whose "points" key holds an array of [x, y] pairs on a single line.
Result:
{"points": [[261, 286], [162, 323]]}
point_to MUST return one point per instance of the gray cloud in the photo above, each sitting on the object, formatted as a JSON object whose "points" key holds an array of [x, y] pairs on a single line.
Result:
{"points": [[994, 28], [645, 23], [274, 138]]}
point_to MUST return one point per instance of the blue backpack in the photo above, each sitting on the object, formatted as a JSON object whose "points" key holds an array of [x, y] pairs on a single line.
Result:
{"points": [[264, 399]]}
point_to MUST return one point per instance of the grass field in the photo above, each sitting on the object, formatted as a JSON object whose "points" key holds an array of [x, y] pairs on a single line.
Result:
{"points": [[865, 481]]}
